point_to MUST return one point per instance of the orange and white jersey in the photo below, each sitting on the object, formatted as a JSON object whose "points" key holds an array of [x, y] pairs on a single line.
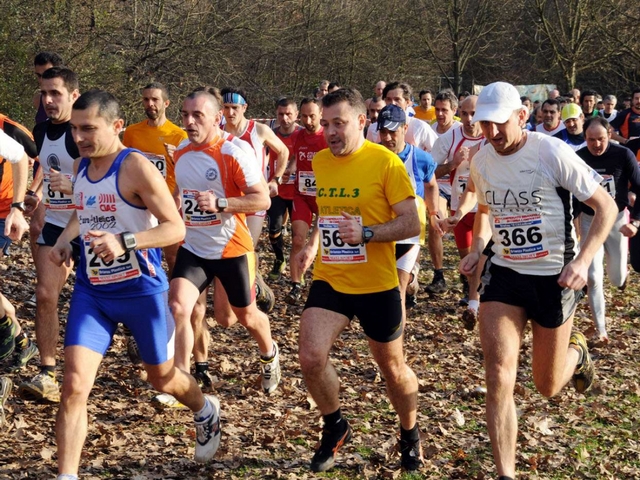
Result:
{"points": [[223, 168]]}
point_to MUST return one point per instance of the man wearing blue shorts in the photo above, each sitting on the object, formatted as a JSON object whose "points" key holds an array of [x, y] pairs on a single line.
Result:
{"points": [[124, 214]]}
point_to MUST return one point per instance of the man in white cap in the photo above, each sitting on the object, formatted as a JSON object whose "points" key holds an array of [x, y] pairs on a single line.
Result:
{"points": [[524, 182]]}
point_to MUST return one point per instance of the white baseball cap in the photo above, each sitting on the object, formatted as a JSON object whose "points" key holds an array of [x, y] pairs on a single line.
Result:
{"points": [[496, 102]]}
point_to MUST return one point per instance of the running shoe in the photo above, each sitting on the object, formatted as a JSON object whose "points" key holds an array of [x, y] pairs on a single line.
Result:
{"points": [[469, 318], [265, 299], [411, 455], [414, 287], [410, 301], [5, 390], [278, 268], [31, 301], [7, 338], [204, 380], [208, 433], [332, 440], [133, 351], [271, 371], [42, 388], [585, 372], [164, 400], [438, 285], [293, 297], [22, 356]]}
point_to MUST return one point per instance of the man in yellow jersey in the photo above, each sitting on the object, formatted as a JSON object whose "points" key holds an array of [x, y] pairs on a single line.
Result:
{"points": [[157, 138], [425, 111], [365, 202]]}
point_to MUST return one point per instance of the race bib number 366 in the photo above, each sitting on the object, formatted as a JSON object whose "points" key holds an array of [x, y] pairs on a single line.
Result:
{"points": [[193, 216], [332, 249], [521, 237]]}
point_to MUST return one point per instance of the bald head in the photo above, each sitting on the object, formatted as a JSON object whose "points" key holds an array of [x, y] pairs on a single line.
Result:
{"points": [[467, 109], [380, 88]]}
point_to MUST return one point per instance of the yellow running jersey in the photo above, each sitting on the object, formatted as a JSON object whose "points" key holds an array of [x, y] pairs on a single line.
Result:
{"points": [[364, 184], [150, 141], [427, 116]]}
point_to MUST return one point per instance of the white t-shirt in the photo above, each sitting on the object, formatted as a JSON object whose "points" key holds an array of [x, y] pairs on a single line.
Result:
{"points": [[10, 149], [434, 126], [541, 129], [443, 152], [418, 134], [529, 199]]}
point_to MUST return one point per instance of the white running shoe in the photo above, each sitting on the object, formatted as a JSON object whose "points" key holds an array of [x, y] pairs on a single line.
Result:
{"points": [[208, 433], [271, 371], [164, 400]]}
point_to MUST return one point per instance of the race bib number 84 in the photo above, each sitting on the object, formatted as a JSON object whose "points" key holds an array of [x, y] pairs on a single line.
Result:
{"points": [[332, 249]]}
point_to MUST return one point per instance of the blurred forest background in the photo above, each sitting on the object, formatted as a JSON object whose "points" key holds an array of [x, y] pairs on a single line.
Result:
{"points": [[285, 47]]}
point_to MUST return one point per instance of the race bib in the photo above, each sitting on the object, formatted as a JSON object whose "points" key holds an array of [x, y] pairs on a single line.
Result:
{"points": [[57, 200], [100, 272], [521, 236], [159, 161], [292, 179], [307, 183], [191, 213], [333, 250], [609, 184], [461, 185]]}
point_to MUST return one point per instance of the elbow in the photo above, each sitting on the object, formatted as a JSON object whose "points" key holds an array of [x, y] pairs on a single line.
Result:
{"points": [[180, 231], [265, 202], [414, 225]]}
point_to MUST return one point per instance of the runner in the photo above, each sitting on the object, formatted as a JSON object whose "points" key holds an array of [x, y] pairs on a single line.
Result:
{"points": [[365, 202], [627, 122], [573, 134], [119, 272], [156, 137], [392, 125], [42, 62], [452, 152], [306, 145], [217, 183], [588, 103], [57, 152], [425, 111], [281, 204], [25, 349], [524, 182], [551, 123], [619, 170], [373, 110], [609, 111]]}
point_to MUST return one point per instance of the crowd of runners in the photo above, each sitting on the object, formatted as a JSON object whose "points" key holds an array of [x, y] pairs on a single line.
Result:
{"points": [[536, 195]]}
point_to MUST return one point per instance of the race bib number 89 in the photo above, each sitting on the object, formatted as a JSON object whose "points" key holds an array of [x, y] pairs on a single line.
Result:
{"points": [[332, 249]]}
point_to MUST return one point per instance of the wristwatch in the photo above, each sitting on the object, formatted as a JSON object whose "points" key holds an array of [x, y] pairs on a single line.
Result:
{"points": [[18, 205], [221, 204], [367, 234], [278, 180], [635, 223], [129, 241]]}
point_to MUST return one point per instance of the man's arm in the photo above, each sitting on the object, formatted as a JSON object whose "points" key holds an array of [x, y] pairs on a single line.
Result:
{"points": [[276, 146], [255, 199], [406, 224], [574, 274], [481, 237], [446, 168], [468, 200]]}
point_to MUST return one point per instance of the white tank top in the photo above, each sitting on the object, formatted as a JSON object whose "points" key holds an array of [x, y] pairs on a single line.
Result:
{"points": [[59, 206]]}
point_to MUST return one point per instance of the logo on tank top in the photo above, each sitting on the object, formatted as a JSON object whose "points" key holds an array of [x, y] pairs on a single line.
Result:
{"points": [[211, 174], [107, 202], [54, 162]]}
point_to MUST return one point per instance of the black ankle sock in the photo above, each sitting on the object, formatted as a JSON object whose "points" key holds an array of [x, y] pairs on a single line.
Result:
{"points": [[50, 369], [5, 321], [438, 273], [21, 341], [411, 435], [333, 420], [202, 367]]}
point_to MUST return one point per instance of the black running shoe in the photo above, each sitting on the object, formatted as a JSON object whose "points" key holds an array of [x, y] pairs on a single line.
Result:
{"points": [[411, 454], [265, 299], [293, 297], [332, 440], [205, 382], [437, 286]]}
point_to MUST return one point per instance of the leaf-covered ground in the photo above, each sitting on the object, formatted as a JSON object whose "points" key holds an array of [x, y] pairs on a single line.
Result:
{"points": [[569, 436]]}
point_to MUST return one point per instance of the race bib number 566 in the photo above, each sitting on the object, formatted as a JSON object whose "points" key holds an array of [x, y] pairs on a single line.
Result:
{"points": [[333, 250]]}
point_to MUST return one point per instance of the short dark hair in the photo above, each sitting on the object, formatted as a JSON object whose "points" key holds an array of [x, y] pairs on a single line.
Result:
{"points": [[407, 93], [587, 93], [238, 90], [285, 102], [422, 92], [308, 100], [69, 78], [108, 105], [43, 58], [158, 86], [349, 95], [552, 101], [635, 90], [376, 99], [333, 85], [597, 121], [447, 96], [524, 98], [212, 92]]}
